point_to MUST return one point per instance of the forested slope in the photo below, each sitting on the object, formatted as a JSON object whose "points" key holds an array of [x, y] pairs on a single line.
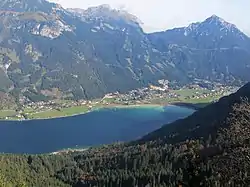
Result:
{"points": [[215, 155]]}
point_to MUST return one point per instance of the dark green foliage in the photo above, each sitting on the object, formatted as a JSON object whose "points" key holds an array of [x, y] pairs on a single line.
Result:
{"points": [[215, 155], [32, 170]]}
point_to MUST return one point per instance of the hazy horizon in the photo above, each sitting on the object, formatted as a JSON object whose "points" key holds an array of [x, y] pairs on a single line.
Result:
{"points": [[161, 15]]}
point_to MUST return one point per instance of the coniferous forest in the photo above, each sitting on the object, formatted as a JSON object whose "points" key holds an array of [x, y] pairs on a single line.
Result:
{"points": [[215, 152]]}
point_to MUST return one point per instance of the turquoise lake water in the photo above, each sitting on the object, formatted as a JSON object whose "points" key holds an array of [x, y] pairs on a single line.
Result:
{"points": [[104, 126]]}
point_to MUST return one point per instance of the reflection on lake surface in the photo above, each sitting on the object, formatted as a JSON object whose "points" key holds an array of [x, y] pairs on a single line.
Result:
{"points": [[104, 126]]}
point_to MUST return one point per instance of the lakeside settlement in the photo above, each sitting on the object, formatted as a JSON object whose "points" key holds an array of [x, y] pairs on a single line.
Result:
{"points": [[195, 95]]}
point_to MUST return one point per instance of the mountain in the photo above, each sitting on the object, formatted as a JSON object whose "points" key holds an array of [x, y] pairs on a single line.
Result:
{"points": [[209, 148], [50, 52], [105, 13], [213, 33], [214, 50], [104, 51]]}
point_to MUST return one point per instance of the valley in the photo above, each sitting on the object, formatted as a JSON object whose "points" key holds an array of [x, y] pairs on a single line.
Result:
{"points": [[88, 98], [192, 95], [189, 152]]}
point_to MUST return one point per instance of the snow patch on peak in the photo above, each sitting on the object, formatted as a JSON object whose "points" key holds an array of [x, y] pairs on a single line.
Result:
{"points": [[190, 28], [212, 24], [105, 6], [215, 17], [220, 22]]}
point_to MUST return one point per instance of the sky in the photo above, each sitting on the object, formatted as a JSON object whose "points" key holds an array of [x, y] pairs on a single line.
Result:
{"points": [[160, 15]]}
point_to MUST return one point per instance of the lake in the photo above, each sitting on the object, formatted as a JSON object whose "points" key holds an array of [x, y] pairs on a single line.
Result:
{"points": [[103, 126]]}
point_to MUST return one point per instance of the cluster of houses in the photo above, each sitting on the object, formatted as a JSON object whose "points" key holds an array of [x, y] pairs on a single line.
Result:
{"points": [[137, 96]]}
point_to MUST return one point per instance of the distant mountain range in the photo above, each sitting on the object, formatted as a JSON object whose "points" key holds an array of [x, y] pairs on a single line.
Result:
{"points": [[47, 51]]}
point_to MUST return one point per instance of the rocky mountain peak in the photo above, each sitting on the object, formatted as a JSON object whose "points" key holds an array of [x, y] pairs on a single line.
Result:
{"points": [[105, 12], [217, 31], [215, 20], [213, 24], [103, 7]]}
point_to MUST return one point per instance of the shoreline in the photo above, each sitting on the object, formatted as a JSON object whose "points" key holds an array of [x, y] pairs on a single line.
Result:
{"points": [[67, 151], [135, 106], [180, 104], [196, 106]]}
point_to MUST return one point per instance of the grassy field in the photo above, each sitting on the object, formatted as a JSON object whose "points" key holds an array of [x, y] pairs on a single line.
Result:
{"points": [[59, 113], [6, 113], [183, 98], [162, 101], [109, 100], [201, 100], [185, 92], [189, 92]]}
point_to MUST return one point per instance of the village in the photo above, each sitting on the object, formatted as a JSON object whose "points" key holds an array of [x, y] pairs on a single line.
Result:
{"points": [[161, 94]]}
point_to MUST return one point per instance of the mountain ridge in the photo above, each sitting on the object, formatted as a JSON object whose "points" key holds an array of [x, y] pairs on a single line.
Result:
{"points": [[212, 25], [104, 11], [101, 49], [27, 5]]}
